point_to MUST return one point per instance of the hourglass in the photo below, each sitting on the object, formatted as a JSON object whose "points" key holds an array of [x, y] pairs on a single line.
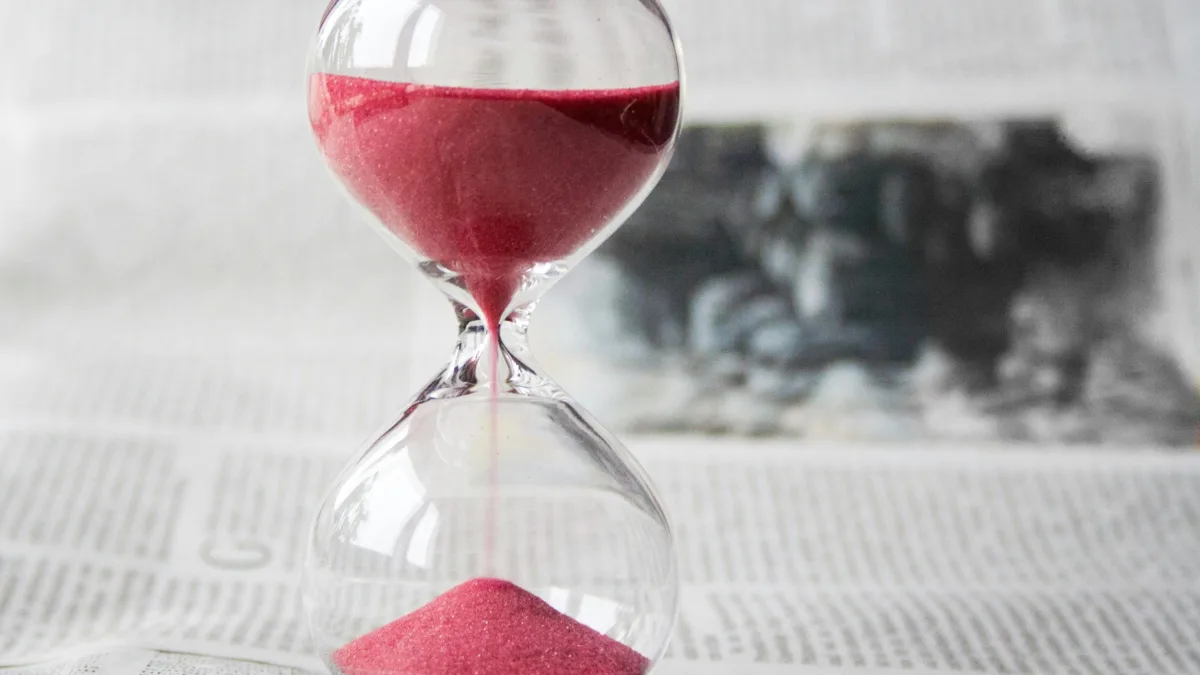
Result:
{"points": [[494, 527]]}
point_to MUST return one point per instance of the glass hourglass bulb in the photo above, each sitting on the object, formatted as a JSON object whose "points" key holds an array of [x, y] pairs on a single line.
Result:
{"points": [[494, 527]]}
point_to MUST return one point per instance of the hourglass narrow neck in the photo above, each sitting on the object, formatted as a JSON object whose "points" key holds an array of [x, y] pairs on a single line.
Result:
{"points": [[477, 366]]}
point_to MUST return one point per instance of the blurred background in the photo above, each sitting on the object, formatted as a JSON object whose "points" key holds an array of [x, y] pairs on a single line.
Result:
{"points": [[887, 220]]}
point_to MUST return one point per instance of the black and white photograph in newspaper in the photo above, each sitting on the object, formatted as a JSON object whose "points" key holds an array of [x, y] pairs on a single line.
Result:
{"points": [[989, 280]]}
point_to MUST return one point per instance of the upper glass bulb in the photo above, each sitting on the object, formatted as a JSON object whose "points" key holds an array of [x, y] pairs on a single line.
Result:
{"points": [[500, 140]]}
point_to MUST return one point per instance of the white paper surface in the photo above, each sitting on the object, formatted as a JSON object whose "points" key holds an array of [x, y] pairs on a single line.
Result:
{"points": [[959, 560]]}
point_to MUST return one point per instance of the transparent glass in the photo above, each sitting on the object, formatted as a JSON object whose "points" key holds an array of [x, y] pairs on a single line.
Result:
{"points": [[495, 143]]}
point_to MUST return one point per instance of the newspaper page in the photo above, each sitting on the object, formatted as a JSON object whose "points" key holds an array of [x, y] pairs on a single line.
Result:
{"points": [[963, 561], [156, 479]]}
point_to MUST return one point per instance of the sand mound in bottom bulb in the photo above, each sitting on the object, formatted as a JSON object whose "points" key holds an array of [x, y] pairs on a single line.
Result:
{"points": [[487, 627]]}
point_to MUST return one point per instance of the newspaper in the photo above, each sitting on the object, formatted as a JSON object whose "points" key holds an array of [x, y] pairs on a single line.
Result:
{"points": [[906, 558], [161, 443]]}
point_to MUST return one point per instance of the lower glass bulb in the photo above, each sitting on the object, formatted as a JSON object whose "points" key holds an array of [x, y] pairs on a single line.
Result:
{"points": [[505, 534]]}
